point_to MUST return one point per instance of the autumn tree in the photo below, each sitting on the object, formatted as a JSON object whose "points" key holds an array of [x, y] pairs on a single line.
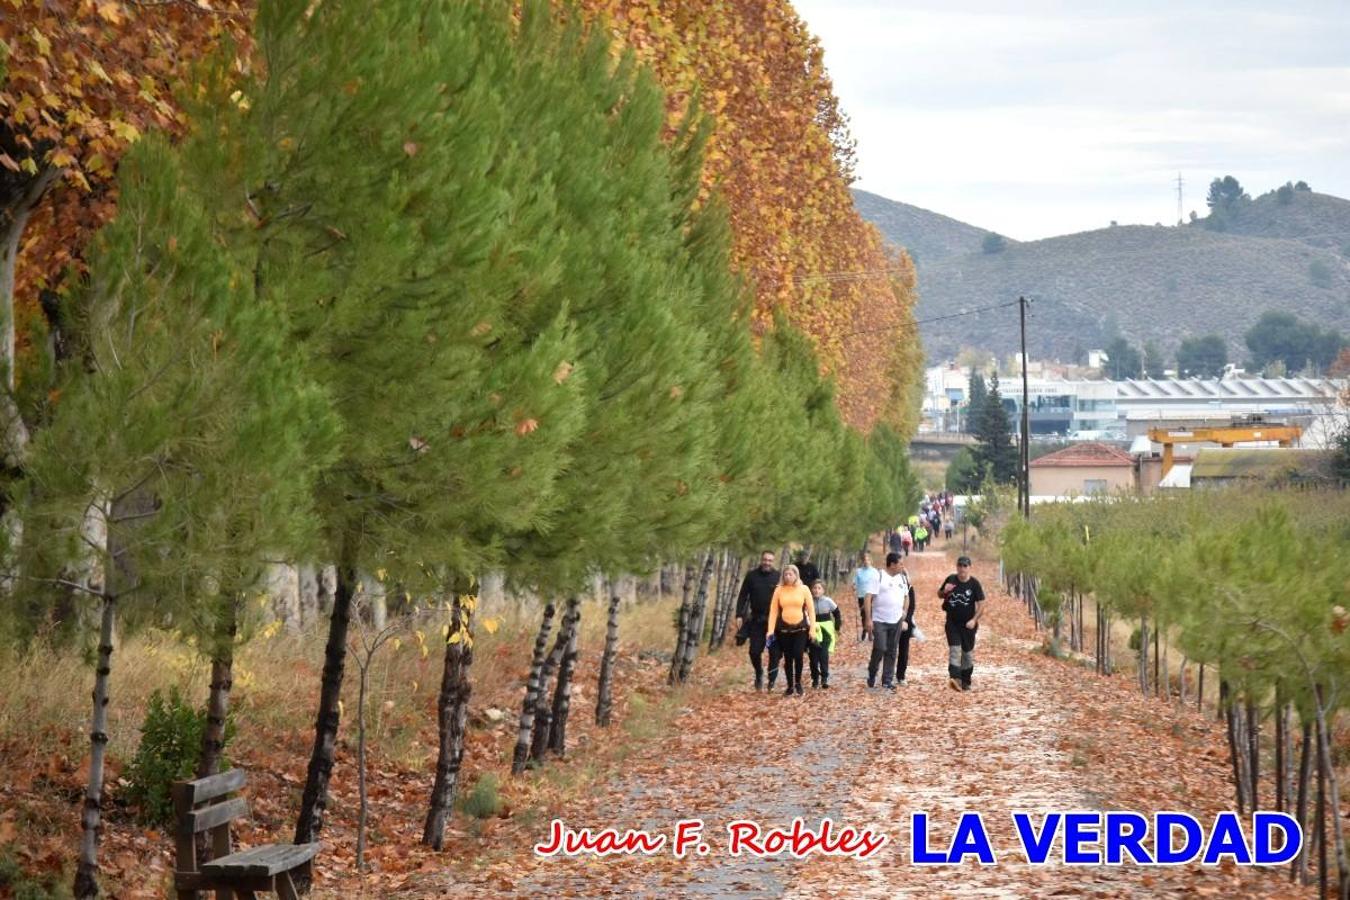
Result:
{"points": [[781, 155]]}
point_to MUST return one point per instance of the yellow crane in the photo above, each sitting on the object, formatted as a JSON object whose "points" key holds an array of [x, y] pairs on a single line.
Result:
{"points": [[1251, 428]]}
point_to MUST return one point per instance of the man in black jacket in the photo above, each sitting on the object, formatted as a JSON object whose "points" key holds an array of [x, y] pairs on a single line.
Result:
{"points": [[752, 608]]}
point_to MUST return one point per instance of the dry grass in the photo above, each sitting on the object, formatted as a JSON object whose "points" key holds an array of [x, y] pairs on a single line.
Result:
{"points": [[44, 692]]}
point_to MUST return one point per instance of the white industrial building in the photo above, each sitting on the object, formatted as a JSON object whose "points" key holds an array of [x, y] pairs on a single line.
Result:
{"points": [[1120, 410]]}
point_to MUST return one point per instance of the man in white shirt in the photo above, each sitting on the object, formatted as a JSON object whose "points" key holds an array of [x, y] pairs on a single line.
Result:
{"points": [[887, 613]]}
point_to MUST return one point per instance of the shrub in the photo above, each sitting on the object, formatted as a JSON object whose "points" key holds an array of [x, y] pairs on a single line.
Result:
{"points": [[993, 243], [171, 742], [1319, 273], [483, 801]]}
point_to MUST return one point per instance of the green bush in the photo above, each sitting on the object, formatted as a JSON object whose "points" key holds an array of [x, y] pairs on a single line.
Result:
{"points": [[483, 802], [171, 743]]}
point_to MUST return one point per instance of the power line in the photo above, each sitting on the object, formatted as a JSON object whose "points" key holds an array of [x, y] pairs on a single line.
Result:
{"points": [[929, 321]]}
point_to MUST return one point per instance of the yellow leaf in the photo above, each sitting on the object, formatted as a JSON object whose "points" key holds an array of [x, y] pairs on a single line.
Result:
{"points": [[110, 12], [381, 574], [424, 651], [340, 708], [44, 46], [445, 631], [397, 643], [455, 638], [491, 625]]}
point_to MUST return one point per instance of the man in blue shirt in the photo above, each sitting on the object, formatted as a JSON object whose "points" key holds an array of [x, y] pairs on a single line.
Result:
{"points": [[866, 580]]}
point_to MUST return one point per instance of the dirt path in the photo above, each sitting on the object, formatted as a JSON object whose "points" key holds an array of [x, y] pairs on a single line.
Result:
{"points": [[1035, 734]]}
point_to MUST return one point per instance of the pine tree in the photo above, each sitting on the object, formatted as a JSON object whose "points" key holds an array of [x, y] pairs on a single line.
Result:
{"points": [[182, 447], [397, 218], [994, 448], [975, 396]]}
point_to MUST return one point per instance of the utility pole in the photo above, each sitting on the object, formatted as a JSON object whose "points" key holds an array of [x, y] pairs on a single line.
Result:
{"points": [[1026, 417], [1180, 220]]}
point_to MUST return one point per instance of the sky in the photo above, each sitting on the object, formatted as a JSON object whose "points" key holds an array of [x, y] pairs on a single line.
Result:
{"points": [[1035, 118]]}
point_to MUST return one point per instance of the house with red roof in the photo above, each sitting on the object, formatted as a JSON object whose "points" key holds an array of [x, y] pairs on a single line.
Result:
{"points": [[1082, 470]]}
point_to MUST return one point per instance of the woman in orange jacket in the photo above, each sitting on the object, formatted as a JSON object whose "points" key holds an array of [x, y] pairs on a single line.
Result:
{"points": [[792, 620]]}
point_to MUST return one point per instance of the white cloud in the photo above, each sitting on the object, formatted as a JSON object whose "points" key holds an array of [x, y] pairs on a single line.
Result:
{"points": [[1042, 117]]}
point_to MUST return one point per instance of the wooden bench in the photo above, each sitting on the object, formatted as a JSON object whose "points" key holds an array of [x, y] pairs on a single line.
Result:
{"points": [[204, 805]]}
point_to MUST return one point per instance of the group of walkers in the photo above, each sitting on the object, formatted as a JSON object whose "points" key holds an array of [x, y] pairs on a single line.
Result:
{"points": [[790, 615], [934, 516]]}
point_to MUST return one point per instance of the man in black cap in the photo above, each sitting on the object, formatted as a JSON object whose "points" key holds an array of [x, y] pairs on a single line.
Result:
{"points": [[963, 602], [752, 608]]}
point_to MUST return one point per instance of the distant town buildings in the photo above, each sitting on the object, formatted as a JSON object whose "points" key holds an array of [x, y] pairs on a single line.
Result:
{"points": [[1095, 409]]}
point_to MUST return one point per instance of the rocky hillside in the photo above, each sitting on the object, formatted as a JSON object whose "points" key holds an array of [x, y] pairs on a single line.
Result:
{"points": [[928, 236], [1145, 282]]}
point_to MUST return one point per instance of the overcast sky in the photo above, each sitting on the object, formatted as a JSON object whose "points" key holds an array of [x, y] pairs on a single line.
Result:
{"points": [[1035, 117]]}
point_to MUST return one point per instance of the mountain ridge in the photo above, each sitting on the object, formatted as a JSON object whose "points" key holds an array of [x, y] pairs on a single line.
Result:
{"points": [[1145, 282]]}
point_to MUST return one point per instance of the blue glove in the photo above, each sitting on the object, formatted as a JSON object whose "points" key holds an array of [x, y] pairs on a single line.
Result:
{"points": [[768, 642]]}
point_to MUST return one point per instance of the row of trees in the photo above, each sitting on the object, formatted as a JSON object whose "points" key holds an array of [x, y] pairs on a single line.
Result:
{"points": [[426, 306], [1279, 343], [1247, 586]]}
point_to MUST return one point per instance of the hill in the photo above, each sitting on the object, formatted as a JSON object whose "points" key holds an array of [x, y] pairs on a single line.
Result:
{"points": [[928, 236], [1144, 282], [1318, 219]]}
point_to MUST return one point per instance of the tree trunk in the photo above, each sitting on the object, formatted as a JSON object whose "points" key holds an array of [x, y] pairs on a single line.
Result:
{"points": [[452, 712], [13, 221], [696, 618], [1253, 718], [1327, 783], [1281, 759], [1235, 754], [728, 600], [315, 798], [1305, 761], [603, 698], [222, 682], [533, 687], [682, 625], [1157, 631], [1144, 655], [86, 873], [362, 800], [543, 705], [562, 695], [1200, 690], [1321, 812]]}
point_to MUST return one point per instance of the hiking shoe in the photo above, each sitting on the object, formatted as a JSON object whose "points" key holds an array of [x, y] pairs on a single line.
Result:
{"points": [[824, 684], [788, 692], [889, 687], [759, 684], [955, 683], [815, 683], [965, 686], [902, 682], [799, 689]]}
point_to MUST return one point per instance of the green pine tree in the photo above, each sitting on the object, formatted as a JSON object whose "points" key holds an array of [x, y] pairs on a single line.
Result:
{"points": [[184, 444], [994, 450]]}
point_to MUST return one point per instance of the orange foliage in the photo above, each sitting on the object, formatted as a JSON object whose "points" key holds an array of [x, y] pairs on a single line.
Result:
{"points": [[781, 156], [83, 79]]}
